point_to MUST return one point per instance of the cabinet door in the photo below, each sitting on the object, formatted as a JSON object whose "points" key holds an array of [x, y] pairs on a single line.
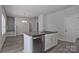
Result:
{"points": [[53, 40], [50, 41], [47, 42]]}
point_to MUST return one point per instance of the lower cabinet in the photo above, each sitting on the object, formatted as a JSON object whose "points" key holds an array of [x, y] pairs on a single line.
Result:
{"points": [[50, 41]]}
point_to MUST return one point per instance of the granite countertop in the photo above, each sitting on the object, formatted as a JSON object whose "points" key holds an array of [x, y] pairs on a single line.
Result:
{"points": [[41, 33], [34, 33], [49, 32]]}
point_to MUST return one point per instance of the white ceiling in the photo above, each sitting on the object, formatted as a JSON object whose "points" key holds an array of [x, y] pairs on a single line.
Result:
{"points": [[32, 10]]}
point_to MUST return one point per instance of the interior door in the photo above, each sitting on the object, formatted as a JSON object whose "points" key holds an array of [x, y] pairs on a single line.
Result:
{"points": [[71, 28], [11, 28]]}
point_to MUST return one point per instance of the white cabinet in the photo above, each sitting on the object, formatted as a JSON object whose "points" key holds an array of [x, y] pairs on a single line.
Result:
{"points": [[50, 41], [28, 44]]}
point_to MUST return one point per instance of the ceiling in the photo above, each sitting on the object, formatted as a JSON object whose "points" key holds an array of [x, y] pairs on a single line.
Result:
{"points": [[32, 10]]}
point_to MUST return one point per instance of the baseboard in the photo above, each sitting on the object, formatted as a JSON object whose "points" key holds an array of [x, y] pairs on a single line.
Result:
{"points": [[60, 41], [65, 41]]}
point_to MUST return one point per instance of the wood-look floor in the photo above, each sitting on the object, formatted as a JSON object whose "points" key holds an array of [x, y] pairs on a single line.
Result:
{"points": [[13, 45], [64, 47], [16, 45]]}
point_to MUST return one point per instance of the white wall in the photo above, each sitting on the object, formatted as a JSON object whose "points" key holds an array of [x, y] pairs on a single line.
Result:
{"points": [[2, 36], [25, 27], [21, 27], [0, 27], [55, 21], [42, 20], [72, 28]]}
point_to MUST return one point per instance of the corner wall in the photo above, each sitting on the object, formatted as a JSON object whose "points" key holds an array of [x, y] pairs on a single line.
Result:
{"points": [[2, 37]]}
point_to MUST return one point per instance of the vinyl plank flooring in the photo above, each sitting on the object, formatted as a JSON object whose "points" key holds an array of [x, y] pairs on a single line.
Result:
{"points": [[13, 44], [64, 47]]}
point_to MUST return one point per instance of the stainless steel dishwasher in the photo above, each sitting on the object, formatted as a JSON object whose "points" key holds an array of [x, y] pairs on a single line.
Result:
{"points": [[38, 44]]}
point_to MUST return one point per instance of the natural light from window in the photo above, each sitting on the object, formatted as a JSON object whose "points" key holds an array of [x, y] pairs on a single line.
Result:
{"points": [[3, 24]]}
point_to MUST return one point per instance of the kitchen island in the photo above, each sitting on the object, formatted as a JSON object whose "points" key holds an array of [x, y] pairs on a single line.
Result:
{"points": [[35, 42]]}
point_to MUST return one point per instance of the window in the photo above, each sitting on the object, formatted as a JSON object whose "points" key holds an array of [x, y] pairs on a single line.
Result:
{"points": [[3, 24]]}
